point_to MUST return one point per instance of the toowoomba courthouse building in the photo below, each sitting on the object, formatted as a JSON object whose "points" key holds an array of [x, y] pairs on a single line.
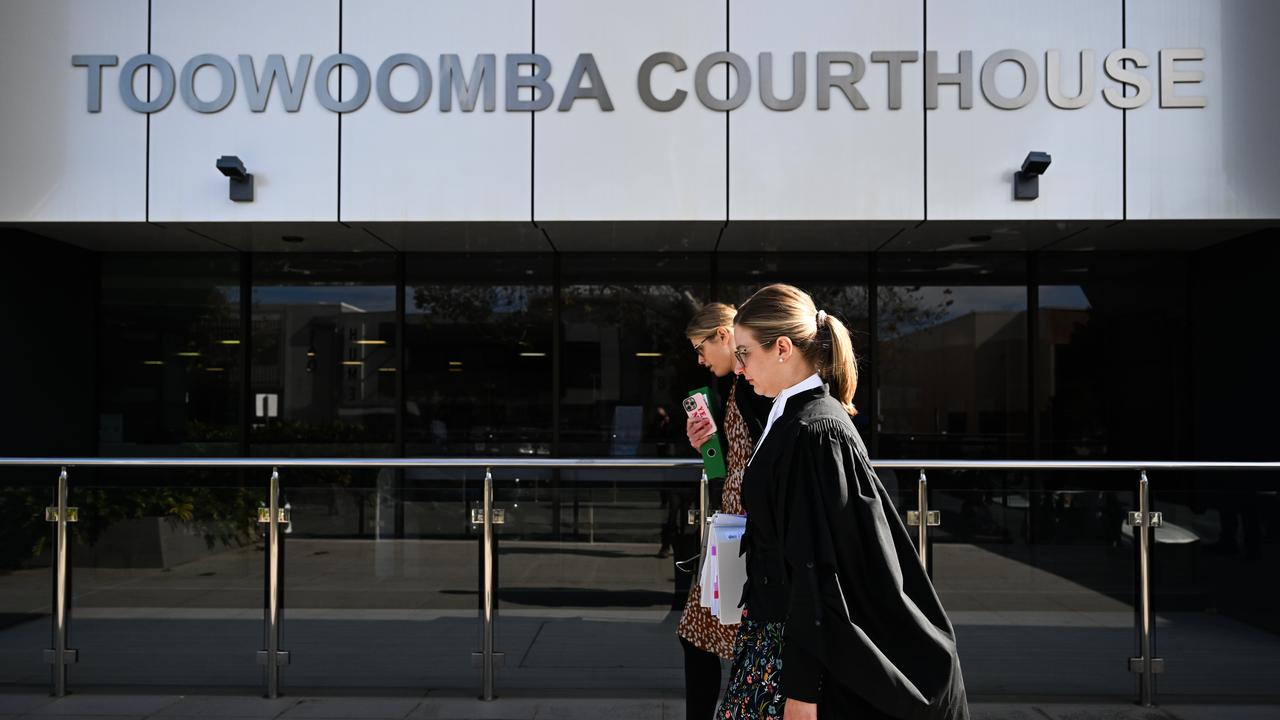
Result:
{"points": [[347, 228]]}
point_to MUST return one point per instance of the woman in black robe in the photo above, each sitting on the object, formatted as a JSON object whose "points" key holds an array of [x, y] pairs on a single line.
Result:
{"points": [[840, 619]]}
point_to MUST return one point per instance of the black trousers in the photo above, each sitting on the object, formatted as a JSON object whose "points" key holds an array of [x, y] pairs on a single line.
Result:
{"points": [[701, 682]]}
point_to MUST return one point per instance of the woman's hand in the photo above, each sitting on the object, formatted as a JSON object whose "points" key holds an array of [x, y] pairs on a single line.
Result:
{"points": [[798, 710], [699, 431]]}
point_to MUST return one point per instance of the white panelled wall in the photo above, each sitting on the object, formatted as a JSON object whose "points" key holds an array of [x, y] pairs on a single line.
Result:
{"points": [[433, 165], [293, 156], [833, 164], [1221, 161], [64, 163], [973, 153], [633, 163], [61, 162]]}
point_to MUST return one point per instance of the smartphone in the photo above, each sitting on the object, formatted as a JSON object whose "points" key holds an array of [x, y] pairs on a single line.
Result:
{"points": [[697, 406]]}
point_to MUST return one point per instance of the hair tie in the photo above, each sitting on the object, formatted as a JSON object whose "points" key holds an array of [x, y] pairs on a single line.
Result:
{"points": [[821, 318]]}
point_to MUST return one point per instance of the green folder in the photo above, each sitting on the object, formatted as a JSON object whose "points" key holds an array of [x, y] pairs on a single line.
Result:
{"points": [[712, 451]]}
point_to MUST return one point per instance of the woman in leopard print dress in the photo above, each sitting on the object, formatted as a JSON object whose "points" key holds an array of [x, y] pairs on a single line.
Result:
{"points": [[741, 420]]}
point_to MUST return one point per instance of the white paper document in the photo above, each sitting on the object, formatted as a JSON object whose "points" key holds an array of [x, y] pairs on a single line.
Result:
{"points": [[723, 570]]}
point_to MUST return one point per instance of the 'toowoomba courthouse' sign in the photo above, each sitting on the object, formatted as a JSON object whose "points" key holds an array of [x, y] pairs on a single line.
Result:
{"points": [[534, 90]]}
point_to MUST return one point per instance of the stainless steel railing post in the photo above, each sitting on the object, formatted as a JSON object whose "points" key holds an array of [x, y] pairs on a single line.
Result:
{"points": [[922, 510], [703, 501], [1146, 665], [60, 656], [487, 609], [273, 657]]}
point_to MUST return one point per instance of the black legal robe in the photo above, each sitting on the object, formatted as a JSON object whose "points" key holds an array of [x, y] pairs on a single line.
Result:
{"points": [[828, 554]]}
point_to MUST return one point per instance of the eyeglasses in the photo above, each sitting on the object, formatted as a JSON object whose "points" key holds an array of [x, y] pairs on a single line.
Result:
{"points": [[741, 352], [698, 348]]}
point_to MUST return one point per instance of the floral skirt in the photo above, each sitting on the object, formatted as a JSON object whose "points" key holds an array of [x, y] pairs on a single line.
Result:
{"points": [[753, 690]]}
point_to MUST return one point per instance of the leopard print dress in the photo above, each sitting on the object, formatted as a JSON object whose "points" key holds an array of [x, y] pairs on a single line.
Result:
{"points": [[697, 624]]}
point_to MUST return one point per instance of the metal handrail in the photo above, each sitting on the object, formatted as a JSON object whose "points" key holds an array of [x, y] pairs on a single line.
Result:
{"points": [[338, 462], [614, 462], [1143, 522]]}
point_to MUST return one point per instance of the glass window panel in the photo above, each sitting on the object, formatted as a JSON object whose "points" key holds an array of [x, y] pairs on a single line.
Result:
{"points": [[26, 586], [381, 580], [1112, 361], [626, 365], [324, 354], [952, 356], [587, 564], [1037, 573], [167, 577], [479, 355], [1214, 565], [170, 354]]}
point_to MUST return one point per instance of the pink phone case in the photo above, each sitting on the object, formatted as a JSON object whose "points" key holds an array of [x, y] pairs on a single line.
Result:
{"points": [[698, 409]]}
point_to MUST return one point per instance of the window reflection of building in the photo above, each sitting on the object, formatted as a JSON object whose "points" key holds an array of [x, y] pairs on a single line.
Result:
{"points": [[325, 350], [626, 364], [170, 354], [479, 355], [1068, 394], [1112, 365], [949, 383], [331, 362], [1109, 377], [951, 356]]}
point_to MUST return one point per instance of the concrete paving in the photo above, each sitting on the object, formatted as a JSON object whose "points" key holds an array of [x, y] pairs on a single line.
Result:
{"points": [[582, 706]]}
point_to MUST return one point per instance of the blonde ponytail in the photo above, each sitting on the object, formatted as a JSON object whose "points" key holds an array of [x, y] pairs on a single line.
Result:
{"points": [[842, 366]]}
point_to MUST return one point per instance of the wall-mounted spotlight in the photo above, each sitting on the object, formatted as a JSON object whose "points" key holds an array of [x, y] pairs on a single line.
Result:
{"points": [[241, 181], [1026, 182]]}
